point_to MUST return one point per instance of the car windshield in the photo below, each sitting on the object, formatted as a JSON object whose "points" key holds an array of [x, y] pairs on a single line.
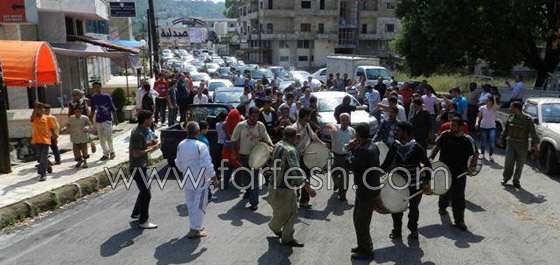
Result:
{"points": [[551, 113], [373, 74], [229, 97], [212, 66], [213, 85], [300, 75], [258, 74], [224, 70], [327, 104], [205, 113], [200, 77]]}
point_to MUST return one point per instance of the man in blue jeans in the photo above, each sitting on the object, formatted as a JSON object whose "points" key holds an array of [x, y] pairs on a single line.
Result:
{"points": [[246, 135]]}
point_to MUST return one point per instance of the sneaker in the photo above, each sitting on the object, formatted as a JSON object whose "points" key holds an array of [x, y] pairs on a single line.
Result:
{"points": [[42, 178], [147, 225], [305, 205], [461, 226], [504, 182], [134, 216], [79, 163], [294, 243], [491, 158], [112, 155], [517, 185], [49, 169], [197, 233], [85, 165], [254, 207], [103, 158]]}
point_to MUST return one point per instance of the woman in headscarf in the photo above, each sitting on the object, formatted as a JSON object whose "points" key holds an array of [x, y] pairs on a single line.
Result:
{"points": [[233, 118]]}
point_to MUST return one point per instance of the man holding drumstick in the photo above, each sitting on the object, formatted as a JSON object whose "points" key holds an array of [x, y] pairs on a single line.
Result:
{"points": [[305, 137], [341, 134], [246, 135], [456, 148], [407, 154], [282, 189]]}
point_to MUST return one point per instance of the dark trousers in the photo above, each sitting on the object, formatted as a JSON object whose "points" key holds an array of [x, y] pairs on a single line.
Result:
{"points": [[413, 213], [161, 105], [457, 196], [340, 181], [142, 206], [54, 148], [305, 198], [472, 112], [42, 153], [363, 211], [182, 103], [253, 183]]}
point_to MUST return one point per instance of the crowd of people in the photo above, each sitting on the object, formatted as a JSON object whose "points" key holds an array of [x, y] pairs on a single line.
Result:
{"points": [[411, 121]]}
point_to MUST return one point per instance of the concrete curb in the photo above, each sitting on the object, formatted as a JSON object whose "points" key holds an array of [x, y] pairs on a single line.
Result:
{"points": [[54, 199]]}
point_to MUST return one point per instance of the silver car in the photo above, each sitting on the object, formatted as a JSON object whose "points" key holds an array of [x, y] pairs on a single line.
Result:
{"points": [[327, 102]]}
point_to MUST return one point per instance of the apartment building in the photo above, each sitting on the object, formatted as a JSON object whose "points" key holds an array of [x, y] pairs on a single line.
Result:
{"points": [[303, 33]]}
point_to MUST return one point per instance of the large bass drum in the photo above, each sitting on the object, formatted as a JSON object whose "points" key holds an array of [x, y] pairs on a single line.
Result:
{"points": [[441, 179], [383, 151], [316, 155], [259, 155], [392, 198]]}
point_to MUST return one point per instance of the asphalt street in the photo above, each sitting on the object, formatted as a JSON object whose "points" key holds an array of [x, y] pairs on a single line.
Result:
{"points": [[506, 226]]}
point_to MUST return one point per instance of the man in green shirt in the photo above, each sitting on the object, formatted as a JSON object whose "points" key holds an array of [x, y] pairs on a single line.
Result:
{"points": [[286, 178], [519, 127]]}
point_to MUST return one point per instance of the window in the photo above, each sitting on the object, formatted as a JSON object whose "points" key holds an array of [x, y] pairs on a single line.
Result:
{"points": [[531, 110], [79, 27], [322, 4], [262, 5], [306, 4], [364, 28], [69, 26], [360, 72], [270, 4], [343, 8], [97, 26], [390, 6], [303, 44], [269, 28], [283, 44], [284, 58], [390, 28], [321, 28], [302, 58], [305, 27]]}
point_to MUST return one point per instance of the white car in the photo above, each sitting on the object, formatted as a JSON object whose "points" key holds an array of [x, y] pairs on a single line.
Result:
{"points": [[215, 83], [321, 75], [302, 76], [189, 68], [198, 77], [327, 102]]}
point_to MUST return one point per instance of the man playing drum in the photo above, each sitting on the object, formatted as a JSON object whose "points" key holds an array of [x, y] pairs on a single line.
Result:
{"points": [[364, 156], [406, 155], [286, 178], [246, 135], [306, 137], [340, 136], [456, 148]]}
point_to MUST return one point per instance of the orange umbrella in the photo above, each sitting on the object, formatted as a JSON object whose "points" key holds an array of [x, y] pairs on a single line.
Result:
{"points": [[28, 63]]}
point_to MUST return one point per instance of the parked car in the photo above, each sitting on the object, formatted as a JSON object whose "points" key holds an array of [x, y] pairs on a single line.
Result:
{"points": [[546, 115], [223, 72], [260, 73], [327, 102], [211, 68], [321, 75], [198, 77], [189, 68], [199, 65], [215, 83], [276, 69], [302, 76], [172, 136], [230, 60], [228, 95], [253, 66], [219, 61]]}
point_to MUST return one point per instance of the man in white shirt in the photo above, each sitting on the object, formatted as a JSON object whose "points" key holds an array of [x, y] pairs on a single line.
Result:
{"points": [[195, 163], [373, 99], [290, 103], [246, 135], [314, 87], [200, 97], [341, 134]]}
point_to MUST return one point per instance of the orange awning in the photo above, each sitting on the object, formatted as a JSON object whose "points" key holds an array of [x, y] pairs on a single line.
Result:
{"points": [[28, 63]]}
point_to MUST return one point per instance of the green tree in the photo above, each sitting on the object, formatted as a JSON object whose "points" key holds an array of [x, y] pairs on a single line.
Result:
{"points": [[447, 35], [231, 8]]}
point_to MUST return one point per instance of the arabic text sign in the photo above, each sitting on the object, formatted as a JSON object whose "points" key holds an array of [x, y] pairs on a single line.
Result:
{"points": [[12, 11], [168, 32], [122, 9]]}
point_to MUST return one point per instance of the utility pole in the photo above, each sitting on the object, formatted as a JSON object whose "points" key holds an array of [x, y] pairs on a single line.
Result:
{"points": [[5, 163], [150, 37], [154, 37]]}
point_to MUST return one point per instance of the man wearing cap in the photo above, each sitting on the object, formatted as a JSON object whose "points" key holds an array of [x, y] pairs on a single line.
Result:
{"points": [[456, 149]]}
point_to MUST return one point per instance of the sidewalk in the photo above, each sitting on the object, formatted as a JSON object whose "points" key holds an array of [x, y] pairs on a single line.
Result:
{"points": [[23, 183]]}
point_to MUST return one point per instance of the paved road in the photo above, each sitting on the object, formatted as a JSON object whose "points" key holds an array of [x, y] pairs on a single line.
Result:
{"points": [[507, 226]]}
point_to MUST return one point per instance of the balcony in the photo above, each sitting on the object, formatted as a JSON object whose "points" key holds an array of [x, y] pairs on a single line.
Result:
{"points": [[285, 13], [88, 9], [326, 36], [369, 36]]}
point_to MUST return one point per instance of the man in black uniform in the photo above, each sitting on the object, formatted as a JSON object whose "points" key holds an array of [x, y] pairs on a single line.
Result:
{"points": [[406, 153], [364, 155], [456, 148]]}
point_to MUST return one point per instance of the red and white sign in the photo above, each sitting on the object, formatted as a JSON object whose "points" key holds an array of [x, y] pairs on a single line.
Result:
{"points": [[12, 11]]}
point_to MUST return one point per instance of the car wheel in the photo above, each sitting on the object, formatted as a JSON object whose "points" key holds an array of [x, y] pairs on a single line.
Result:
{"points": [[550, 166]]}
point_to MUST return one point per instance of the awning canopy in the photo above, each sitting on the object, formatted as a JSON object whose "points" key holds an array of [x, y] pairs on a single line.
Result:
{"points": [[103, 43], [28, 63], [123, 59], [127, 43]]}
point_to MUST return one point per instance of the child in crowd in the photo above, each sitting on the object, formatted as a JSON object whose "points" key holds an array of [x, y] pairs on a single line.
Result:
{"points": [[203, 131], [54, 138], [78, 126], [43, 130]]}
